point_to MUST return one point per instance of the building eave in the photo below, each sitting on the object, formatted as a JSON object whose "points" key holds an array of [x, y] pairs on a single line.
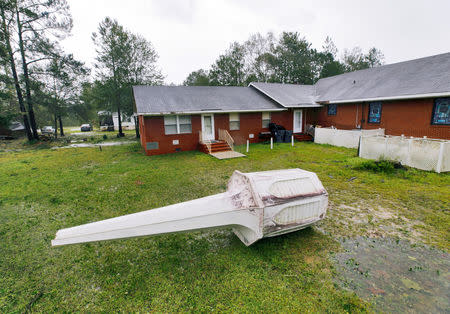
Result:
{"points": [[304, 106], [401, 97], [207, 111]]}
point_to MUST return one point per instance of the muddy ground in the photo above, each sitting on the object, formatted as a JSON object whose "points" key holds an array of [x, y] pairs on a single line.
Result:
{"points": [[385, 261]]}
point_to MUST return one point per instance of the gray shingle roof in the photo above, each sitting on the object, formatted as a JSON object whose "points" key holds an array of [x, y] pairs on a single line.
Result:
{"points": [[414, 77], [430, 75], [168, 99], [289, 95]]}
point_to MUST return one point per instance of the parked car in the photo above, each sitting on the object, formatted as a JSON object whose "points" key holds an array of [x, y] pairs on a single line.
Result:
{"points": [[86, 127], [47, 130]]}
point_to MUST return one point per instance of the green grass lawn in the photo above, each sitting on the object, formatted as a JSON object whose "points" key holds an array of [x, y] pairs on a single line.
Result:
{"points": [[43, 190], [71, 137]]}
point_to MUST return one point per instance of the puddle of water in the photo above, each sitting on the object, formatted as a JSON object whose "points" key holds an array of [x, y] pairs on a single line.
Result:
{"points": [[396, 275]]}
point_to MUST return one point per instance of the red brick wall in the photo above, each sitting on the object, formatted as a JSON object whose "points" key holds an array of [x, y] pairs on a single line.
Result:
{"points": [[152, 130], [409, 117], [286, 118], [250, 123], [348, 116]]}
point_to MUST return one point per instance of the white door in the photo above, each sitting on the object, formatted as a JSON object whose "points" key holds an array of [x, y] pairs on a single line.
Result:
{"points": [[208, 127], [298, 121]]}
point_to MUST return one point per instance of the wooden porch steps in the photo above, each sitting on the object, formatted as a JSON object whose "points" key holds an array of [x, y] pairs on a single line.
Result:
{"points": [[302, 137], [216, 146]]}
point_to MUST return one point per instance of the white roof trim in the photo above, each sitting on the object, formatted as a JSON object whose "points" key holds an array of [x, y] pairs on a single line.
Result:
{"points": [[304, 106], [429, 95], [206, 111]]}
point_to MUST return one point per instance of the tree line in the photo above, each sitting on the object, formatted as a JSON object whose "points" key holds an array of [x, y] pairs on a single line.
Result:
{"points": [[288, 58], [39, 82], [42, 84]]}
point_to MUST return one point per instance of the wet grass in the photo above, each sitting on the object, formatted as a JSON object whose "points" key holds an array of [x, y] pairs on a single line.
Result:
{"points": [[45, 190], [417, 279], [70, 137]]}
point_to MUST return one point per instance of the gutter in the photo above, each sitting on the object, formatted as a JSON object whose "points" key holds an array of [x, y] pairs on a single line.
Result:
{"points": [[415, 96], [207, 111]]}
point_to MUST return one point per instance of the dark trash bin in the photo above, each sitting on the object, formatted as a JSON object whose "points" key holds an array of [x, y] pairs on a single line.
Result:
{"points": [[287, 136], [279, 136]]}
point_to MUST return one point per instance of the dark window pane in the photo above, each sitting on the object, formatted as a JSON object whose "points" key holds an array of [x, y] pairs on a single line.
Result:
{"points": [[375, 112], [332, 109], [441, 111]]}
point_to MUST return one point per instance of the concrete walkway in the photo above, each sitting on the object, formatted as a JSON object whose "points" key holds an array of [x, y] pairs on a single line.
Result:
{"points": [[227, 154]]}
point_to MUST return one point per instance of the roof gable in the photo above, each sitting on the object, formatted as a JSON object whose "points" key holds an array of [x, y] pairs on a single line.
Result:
{"points": [[288, 95]]}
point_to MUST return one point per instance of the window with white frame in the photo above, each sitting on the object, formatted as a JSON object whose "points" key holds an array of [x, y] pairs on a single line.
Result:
{"points": [[185, 125], [234, 121], [170, 124], [177, 124], [265, 119]]}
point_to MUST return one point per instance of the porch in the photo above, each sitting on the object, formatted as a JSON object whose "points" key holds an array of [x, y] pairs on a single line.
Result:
{"points": [[223, 148]]}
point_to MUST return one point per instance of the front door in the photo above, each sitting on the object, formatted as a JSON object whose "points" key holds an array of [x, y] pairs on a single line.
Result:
{"points": [[208, 127], [298, 121]]}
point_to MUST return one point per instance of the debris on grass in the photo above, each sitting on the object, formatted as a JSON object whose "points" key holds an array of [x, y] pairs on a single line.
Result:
{"points": [[33, 300]]}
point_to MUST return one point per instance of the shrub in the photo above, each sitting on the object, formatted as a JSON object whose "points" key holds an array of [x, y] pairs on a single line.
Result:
{"points": [[384, 166]]}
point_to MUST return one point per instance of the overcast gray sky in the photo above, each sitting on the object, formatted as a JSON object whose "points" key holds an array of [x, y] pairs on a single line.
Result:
{"points": [[190, 34]]}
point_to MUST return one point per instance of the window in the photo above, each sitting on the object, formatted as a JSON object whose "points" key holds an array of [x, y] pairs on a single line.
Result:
{"points": [[374, 112], [170, 124], [441, 111], [185, 125], [234, 121], [265, 119], [177, 124], [332, 109]]}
